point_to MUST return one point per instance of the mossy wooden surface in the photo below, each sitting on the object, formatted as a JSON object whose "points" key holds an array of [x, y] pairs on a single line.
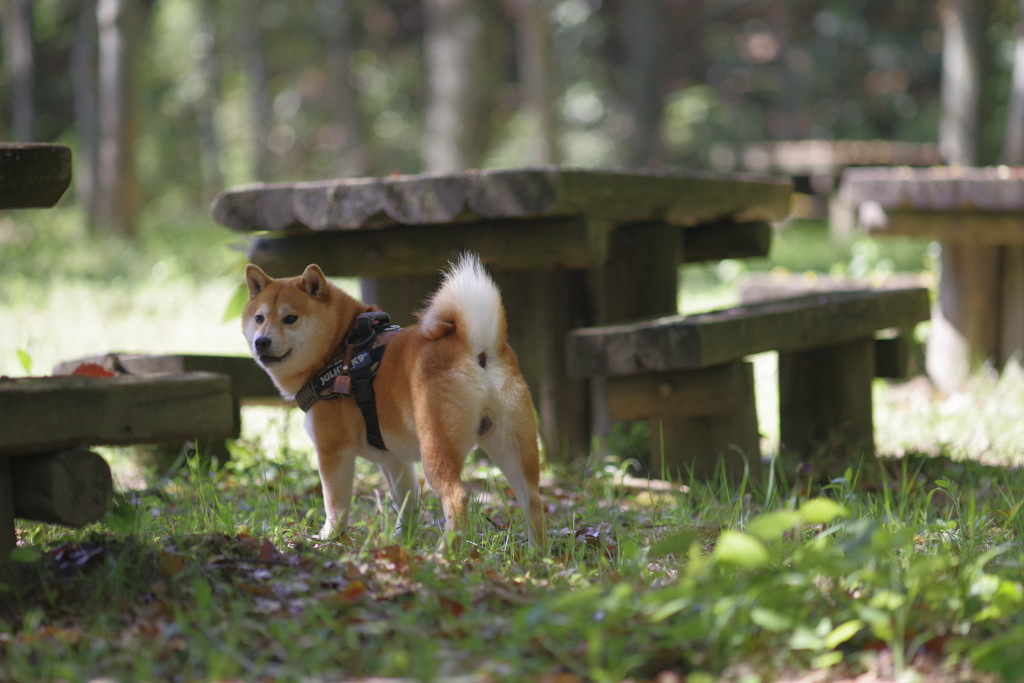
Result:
{"points": [[33, 175], [47, 414]]}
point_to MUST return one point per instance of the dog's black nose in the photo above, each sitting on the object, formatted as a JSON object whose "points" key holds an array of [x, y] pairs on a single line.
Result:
{"points": [[262, 343]]}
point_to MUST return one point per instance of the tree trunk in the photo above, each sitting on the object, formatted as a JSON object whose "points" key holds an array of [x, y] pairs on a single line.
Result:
{"points": [[84, 92], [254, 65], [644, 42], [533, 51], [782, 17], [19, 48], [456, 82], [118, 194], [963, 76], [1013, 142], [206, 108], [343, 97]]}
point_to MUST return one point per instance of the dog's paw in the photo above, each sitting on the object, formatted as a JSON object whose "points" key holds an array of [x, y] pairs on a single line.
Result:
{"points": [[328, 532]]}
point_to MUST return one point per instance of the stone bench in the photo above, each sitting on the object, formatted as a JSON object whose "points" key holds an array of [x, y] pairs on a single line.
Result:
{"points": [[47, 472], [688, 377]]}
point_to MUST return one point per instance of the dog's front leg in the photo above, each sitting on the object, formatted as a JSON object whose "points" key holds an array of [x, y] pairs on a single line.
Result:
{"points": [[337, 471]]}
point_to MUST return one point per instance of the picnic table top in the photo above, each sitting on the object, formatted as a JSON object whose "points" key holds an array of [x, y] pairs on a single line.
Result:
{"points": [[617, 197], [995, 189], [33, 175], [800, 157]]}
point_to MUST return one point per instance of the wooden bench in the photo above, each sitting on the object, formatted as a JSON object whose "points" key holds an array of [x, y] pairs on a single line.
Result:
{"points": [[249, 386], [687, 375], [47, 472]]}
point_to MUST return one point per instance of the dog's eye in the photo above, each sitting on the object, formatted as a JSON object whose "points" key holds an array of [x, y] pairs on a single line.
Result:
{"points": [[290, 319], [259, 319]]}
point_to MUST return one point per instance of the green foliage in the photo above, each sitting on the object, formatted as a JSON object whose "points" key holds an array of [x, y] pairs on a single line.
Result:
{"points": [[25, 360], [215, 575]]}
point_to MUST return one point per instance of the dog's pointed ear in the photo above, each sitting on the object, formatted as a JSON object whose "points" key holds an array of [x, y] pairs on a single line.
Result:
{"points": [[255, 279], [313, 281]]}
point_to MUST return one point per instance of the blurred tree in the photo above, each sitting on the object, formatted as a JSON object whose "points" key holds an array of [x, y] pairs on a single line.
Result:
{"points": [[19, 44], [965, 68], [209, 96], [459, 79], [254, 65], [240, 90], [537, 78], [117, 191], [1013, 142], [644, 41], [84, 93], [341, 87]]}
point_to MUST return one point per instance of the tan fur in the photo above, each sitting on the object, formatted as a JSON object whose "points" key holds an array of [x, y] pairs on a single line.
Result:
{"points": [[440, 381]]}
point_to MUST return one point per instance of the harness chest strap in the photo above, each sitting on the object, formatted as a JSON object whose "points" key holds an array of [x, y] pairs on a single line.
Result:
{"points": [[353, 374]]}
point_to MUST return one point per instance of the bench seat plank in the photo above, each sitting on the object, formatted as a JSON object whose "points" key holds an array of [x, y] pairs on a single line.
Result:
{"points": [[708, 339], [47, 414], [249, 383]]}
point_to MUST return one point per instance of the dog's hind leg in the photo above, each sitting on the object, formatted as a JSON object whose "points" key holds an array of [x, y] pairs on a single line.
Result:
{"points": [[443, 454], [511, 443]]}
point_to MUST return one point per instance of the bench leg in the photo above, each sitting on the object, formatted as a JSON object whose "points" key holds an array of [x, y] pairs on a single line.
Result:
{"points": [[697, 446], [72, 487], [697, 418], [6, 521], [825, 401]]}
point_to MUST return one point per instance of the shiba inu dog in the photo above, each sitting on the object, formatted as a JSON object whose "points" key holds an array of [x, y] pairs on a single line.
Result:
{"points": [[433, 391]]}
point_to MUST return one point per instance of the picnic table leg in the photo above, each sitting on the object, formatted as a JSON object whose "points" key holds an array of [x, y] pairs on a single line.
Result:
{"points": [[700, 420], [965, 322], [542, 306], [825, 401], [6, 520], [1011, 345]]}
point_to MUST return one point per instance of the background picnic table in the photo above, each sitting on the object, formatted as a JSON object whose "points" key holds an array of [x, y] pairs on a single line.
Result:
{"points": [[977, 215]]}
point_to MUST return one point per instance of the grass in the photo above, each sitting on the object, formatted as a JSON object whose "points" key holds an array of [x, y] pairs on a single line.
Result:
{"points": [[895, 567], [902, 567]]}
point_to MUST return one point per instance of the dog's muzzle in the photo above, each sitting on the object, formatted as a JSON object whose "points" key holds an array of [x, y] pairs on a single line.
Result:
{"points": [[262, 345]]}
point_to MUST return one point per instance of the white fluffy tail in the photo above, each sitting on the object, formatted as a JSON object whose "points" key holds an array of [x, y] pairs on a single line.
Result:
{"points": [[469, 301]]}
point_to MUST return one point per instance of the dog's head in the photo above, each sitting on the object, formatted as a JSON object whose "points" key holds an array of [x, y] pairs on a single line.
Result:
{"points": [[293, 325]]}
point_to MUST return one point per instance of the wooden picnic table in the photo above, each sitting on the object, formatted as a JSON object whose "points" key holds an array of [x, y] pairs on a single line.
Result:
{"points": [[817, 165], [569, 248], [977, 216]]}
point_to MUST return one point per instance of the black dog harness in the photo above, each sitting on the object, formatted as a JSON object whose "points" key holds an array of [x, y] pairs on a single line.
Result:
{"points": [[353, 373]]}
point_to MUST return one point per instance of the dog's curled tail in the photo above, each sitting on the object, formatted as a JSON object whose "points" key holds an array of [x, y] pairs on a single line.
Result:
{"points": [[467, 304]]}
